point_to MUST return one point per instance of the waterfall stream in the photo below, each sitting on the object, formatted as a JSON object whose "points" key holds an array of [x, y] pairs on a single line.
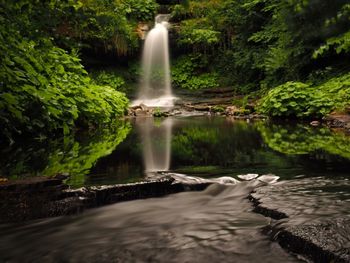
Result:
{"points": [[155, 83]]}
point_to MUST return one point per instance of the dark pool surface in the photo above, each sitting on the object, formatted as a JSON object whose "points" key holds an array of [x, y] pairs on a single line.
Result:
{"points": [[204, 146], [215, 225]]}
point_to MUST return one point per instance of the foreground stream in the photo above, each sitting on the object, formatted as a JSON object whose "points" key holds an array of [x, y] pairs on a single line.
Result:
{"points": [[214, 225]]}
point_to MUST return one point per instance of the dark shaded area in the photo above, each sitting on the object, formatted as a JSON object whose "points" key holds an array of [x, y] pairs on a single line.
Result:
{"points": [[169, 2], [49, 197]]}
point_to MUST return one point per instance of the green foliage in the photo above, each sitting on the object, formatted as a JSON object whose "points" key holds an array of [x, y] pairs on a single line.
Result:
{"points": [[264, 43], [141, 10], [295, 99], [108, 78], [341, 44], [187, 73], [99, 24], [218, 108], [305, 140], [241, 102], [46, 89], [108, 26], [196, 32], [192, 142], [288, 100], [199, 37], [216, 142]]}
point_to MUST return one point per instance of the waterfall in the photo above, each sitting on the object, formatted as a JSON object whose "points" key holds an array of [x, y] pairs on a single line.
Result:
{"points": [[155, 84]]}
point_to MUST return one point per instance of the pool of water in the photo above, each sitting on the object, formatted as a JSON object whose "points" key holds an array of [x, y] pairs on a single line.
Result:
{"points": [[215, 225], [203, 146]]}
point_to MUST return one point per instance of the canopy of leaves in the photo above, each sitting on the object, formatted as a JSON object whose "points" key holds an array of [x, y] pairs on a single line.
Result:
{"points": [[264, 43]]}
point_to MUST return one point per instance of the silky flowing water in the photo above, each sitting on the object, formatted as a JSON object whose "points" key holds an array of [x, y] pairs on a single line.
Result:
{"points": [[214, 225], [155, 85]]}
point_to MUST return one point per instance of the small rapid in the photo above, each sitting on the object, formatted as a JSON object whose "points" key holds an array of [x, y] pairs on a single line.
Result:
{"points": [[214, 225]]}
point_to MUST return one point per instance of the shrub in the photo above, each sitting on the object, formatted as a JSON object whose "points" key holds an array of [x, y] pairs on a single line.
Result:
{"points": [[108, 78], [46, 89], [187, 73], [296, 99]]}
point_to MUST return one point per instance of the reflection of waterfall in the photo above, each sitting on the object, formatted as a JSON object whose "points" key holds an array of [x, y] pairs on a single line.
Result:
{"points": [[155, 88], [156, 140]]}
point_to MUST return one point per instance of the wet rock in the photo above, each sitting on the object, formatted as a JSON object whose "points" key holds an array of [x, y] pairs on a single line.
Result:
{"points": [[47, 197], [28, 199], [315, 123], [141, 30], [3, 180], [201, 107], [144, 107], [266, 211], [140, 110], [175, 112], [231, 110], [341, 121], [235, 111], [328, 241], [311, 216]]}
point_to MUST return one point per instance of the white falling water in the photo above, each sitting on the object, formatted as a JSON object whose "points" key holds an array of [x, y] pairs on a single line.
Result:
{"points": [[155, 86]]}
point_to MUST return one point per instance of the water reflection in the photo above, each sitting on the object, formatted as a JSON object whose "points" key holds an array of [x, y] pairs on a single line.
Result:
{"points": [[200, 146], [217, 147], [155, 136], [303, 139], [75, 154]]}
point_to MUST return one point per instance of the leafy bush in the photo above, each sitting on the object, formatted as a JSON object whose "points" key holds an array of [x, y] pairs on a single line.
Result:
{"points": [[338, 90], [108, 78], [187, 73], [295, 99], [197, 32], [44, 89], [143, 10], [290, 100]]}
